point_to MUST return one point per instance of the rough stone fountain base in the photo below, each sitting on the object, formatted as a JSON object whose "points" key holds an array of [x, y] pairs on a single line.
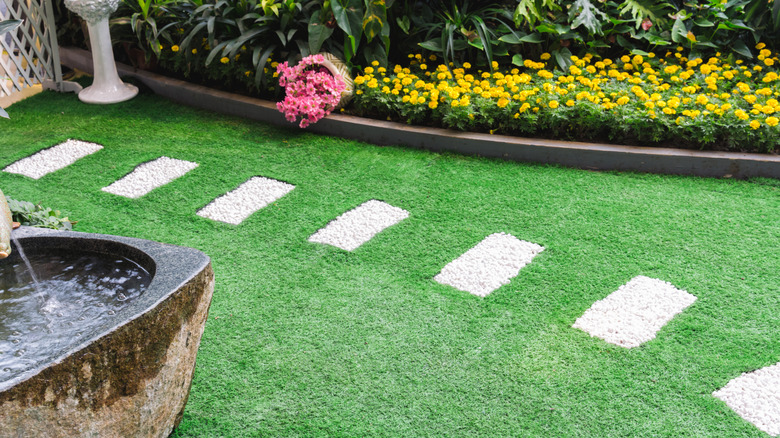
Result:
{"points": [[130, 377]]}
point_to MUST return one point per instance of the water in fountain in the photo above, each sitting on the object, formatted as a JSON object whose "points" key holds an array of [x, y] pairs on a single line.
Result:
{"points": [[76, 292]]}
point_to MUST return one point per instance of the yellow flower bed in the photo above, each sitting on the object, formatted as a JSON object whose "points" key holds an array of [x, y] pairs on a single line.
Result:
{"points": [[639, 98]]}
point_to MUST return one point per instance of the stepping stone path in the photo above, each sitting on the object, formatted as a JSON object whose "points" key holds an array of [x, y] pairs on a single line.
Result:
{"points": [[491, 264], [755, 397], [634, 313], [235, 206], [628, 317], [54, 158], [148, 176], [359, 225]]}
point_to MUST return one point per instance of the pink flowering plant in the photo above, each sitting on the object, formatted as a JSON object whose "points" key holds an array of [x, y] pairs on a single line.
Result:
{"points": [[312, 92]]}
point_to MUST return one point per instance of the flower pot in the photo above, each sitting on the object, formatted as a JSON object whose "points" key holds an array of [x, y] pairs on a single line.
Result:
{"points": [[338, 69]]}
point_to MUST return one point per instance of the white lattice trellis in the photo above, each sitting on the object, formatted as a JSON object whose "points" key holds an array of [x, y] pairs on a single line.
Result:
{"points": [[30, 54]]}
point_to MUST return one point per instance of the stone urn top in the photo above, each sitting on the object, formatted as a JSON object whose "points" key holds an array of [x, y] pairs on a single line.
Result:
{"points": [[92, 10]]}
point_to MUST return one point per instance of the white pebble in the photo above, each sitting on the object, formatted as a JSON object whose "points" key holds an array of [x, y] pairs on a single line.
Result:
{"points": [[634, 313], [489, 265], [235, 206], [54, 158], [359, 225], [148, 176]]}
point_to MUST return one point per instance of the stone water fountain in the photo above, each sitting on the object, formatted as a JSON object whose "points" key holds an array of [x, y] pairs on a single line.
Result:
{"points": [[107, 87], [104, 343]]}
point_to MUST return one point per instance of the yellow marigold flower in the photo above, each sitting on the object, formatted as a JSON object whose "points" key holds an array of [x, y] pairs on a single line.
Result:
{"points": [[678, 120], [194, 51], [423, 67], [622, 100], [553, 104], [755, 124], [503, 102], [769, 61], [405, 99], [569, 102], [359, 80], [702, 99], [545, 56], [760, 46], [421, 99], [433, 104], [224, 60], [174, 48], [740, 114], [368, 70], [772, 121]]}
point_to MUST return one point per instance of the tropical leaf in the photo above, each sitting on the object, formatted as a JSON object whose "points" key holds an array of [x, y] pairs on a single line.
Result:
{"points": [[374, 18], [679, 31], [318, 32], [643, 9], [586, 15], [740, 47]]}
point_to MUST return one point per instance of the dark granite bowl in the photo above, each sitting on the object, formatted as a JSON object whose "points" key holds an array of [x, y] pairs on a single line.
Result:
{"points": [[131, 376]]}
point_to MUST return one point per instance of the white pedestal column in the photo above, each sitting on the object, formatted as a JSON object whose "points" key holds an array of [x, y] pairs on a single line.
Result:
{"points": [[106, 87]]}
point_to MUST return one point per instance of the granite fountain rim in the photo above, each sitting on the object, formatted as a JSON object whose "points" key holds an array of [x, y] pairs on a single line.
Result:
{"points": [[174, 266]]}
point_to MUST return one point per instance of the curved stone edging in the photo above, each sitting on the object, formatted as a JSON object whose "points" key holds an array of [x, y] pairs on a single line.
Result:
{"points": [[592, 156]]}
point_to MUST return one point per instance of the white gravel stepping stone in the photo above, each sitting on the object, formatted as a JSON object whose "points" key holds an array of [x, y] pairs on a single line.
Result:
{"points": [[148, 176], [54, 158], [634, 313], [359, 225], [489, 265], [235, 206], [755, 397]]}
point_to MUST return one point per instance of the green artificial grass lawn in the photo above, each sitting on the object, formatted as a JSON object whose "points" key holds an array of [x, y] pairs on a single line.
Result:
{"points": [[305, 339]]}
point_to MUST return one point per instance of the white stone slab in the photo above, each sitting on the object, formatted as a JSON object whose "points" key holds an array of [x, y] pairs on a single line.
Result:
{"points": [[359, 225], [489, 265], [237, 205], [148, 176], [54, 158], [634, 313], [755, 397]]}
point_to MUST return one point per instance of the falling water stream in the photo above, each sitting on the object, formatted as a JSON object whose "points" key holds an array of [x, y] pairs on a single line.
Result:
{"points": [[30, 269], [52, 300]]}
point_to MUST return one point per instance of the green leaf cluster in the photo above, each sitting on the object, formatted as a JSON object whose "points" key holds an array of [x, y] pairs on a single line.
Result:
{"points": [[32, 215]]}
